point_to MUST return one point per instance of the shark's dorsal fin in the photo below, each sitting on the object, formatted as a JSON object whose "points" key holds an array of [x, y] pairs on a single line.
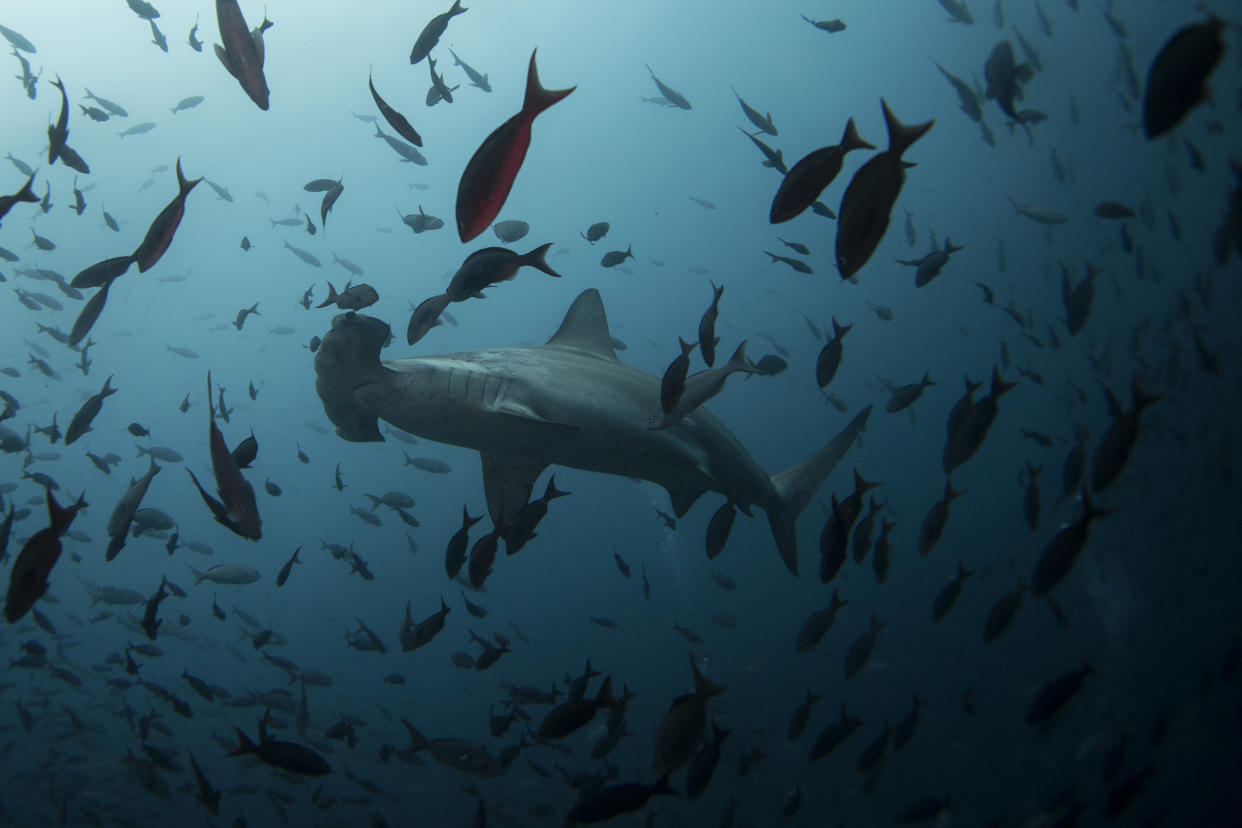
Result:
{"points": [[585, 327]]}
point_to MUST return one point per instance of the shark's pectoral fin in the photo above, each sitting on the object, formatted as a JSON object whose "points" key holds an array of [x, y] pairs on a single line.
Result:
{"points": [[507, 483], [522, 411]]}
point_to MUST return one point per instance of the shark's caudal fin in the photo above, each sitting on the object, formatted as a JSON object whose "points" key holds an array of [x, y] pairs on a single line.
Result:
{"points": [[796, 486], [347, 359]]}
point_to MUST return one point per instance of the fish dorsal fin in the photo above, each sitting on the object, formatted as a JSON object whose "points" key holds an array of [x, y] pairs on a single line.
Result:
{"points": [[585, 327]]}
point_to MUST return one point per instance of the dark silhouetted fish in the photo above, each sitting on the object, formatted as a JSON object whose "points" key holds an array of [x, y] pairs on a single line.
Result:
{"points": [[430, 35], [872, 193], [160, 233], [811, 175], [1177, 81], [394, 118]]}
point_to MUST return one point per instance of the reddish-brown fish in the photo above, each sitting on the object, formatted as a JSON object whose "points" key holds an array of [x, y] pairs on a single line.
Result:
{"points": [[242, 52], [236, 508], [28, 578], [160, 233], [489, 175]]}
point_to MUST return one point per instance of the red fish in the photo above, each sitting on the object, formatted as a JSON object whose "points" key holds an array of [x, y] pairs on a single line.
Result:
{"points": [[242, 52], [28, 578], [236, 508], [160, 233], [489, 175]]}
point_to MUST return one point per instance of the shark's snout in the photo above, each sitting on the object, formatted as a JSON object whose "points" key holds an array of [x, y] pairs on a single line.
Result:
{"points": [[349, 358]]}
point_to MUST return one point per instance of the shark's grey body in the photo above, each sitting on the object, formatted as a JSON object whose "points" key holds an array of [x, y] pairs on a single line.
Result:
{"points": [[570, 402]]}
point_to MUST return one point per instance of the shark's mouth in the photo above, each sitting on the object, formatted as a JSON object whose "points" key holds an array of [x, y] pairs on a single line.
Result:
{"points": [[348, 358]]}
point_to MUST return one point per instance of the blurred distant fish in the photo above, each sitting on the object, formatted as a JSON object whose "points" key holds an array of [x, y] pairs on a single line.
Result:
{"points": [[113, 108], [596, 231], [304, 255], [187, 103], [762, 122], [157, 37], [490, 173], [18, 40], [138, 129], [670, 94], [511, 230], [195, 43], [476, 79], [958, 13], [830, 26]]}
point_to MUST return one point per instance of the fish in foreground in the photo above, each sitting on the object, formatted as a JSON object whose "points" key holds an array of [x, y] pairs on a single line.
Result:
{"points": [[82, 419], [236, 509], [491, 171], [356, 297], [1177, 81], [28, 577], [811, 175], [160, 233], [480, 270], [242, 52], [394, 118], [430, 35], [26, 194], [287, 756], [551, 413], [871, 195]]}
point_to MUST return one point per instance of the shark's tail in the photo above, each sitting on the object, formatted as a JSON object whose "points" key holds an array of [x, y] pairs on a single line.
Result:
{"points": [[347, 359], [797, 484]]}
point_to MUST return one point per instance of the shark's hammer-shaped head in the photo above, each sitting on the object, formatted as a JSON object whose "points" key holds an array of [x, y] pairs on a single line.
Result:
{"points": [[348, 359]]}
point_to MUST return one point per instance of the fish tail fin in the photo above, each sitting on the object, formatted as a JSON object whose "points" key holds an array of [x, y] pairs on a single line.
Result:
{"points": [[244, 745], [537, 98], [739, 362], [703, 686], [901, 136], [27, 191], [1141, 398], [538, 259], [662, 787], [417, 740], [183, 185], [198, 576], [796, 486], [851, 140], [332, 294], [551, 493]]}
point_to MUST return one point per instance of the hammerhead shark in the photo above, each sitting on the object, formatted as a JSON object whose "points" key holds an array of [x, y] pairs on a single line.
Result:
{"points": [[570, 402]]}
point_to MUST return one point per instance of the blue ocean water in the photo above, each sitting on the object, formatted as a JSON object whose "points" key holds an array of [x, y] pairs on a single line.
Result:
{"points": [[1150, 604]]}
